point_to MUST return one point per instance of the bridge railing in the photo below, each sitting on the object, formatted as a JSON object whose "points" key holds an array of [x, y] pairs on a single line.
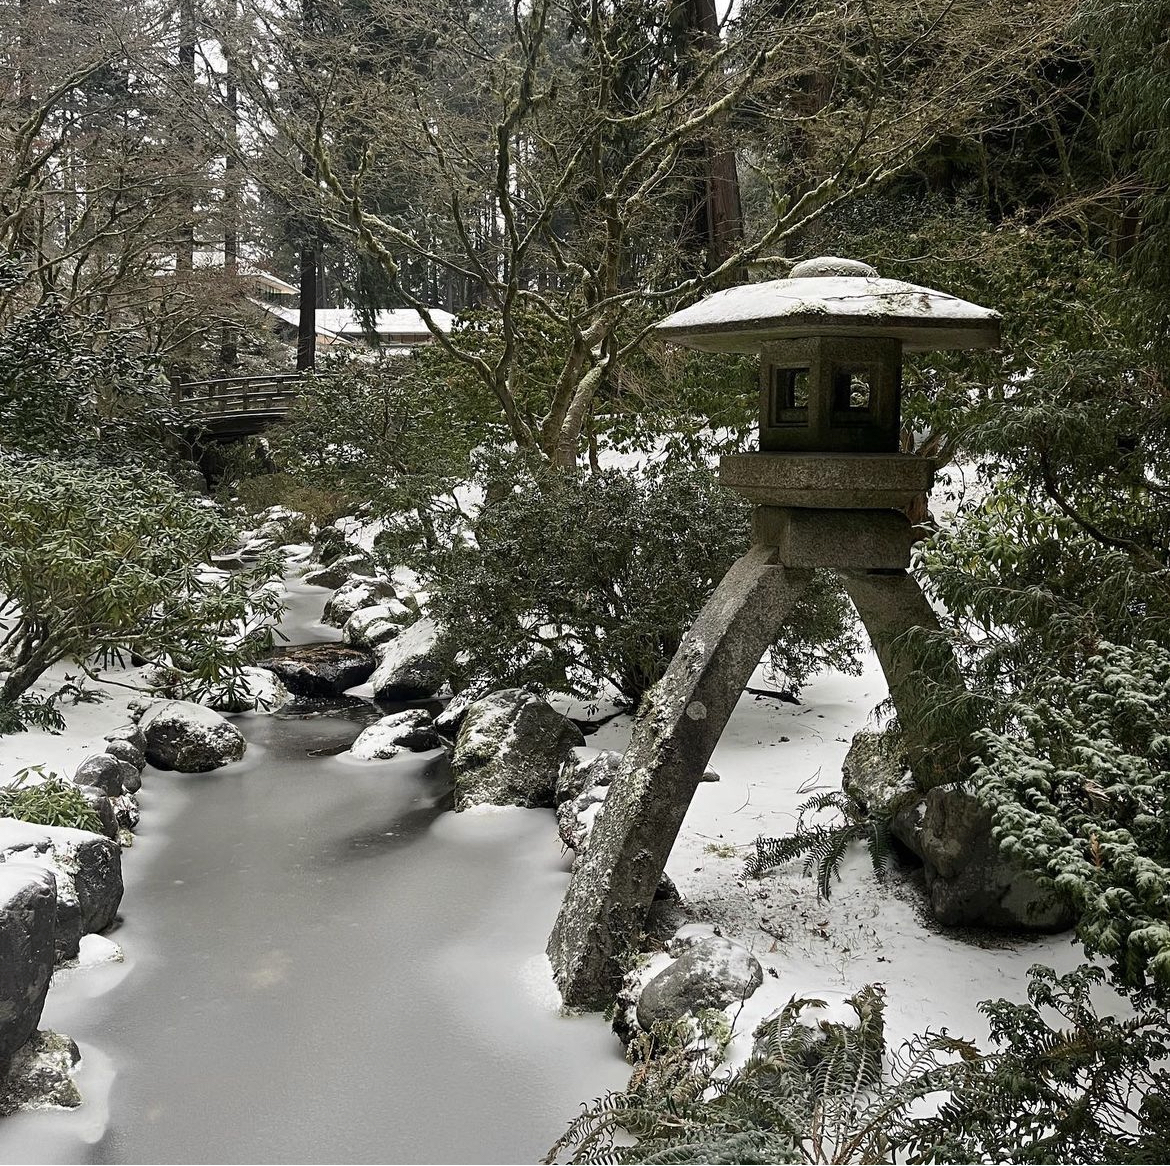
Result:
{"points": [[259, 394]]}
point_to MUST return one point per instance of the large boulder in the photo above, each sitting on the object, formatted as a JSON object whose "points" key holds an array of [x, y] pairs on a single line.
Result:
{"points": [[28, 906], [358, 592], [410, 667], [711, 974], [970, 881], [87, 868], [320, 669], [370, 627], [510, 750], [412, 729], [190, 738]]}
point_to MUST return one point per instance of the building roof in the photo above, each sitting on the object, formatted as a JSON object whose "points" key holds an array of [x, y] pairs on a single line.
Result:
{"points": [[402, 324]]}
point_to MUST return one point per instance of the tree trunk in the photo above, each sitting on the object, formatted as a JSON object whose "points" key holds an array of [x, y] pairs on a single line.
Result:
{"points": [[185, 139], [229, 341], [310, 250], [713, 223]]}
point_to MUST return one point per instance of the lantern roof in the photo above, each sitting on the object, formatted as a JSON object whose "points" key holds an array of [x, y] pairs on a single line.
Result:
{"points": [[831, 297]]}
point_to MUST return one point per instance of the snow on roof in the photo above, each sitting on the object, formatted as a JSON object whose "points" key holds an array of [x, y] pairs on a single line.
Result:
{"points": [[809, 303], [270, 281], [399, 323]]}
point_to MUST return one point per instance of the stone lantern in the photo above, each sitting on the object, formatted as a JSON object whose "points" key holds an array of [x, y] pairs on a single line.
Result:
{"points": [[830, 339], [829, 487]]}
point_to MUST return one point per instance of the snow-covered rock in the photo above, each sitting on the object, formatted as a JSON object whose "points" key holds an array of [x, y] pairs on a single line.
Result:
{"points": [[126, 813], [582, 786], [320, 669], [510, 750], [370, 627], [411, 729], [28, 906], [102, 771], [102, 805], [712, 974], [190, 738], [450, 719], [255, 689], [87, 869], [129, 752], [98, 949], [41, 1075], [331, 577], [131, 733], [339, 571], [410, 667], [585, 768], [970, 881], [358, 592]]}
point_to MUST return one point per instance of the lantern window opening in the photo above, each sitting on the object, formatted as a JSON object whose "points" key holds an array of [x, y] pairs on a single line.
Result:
{"points": [[790, 396], [853, 394]]}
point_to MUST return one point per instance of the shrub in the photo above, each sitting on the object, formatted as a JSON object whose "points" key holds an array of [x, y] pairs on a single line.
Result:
{"points": [[574, 582], [1064, 1083], [95, 560], [378, 432], [1080, 1087], [30, 712], [1079, 785], [74, 387], [52, 802], [319, 506]]}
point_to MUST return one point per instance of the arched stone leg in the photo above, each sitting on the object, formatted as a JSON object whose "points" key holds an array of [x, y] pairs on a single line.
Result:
{"points": [[677, 730], [923, 676]]}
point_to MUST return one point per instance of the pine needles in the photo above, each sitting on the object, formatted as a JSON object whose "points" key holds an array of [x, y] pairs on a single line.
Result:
{"points": [[824, 846]]}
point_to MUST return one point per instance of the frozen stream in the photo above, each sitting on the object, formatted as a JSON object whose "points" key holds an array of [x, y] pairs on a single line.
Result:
{"points": [[323, 966]]}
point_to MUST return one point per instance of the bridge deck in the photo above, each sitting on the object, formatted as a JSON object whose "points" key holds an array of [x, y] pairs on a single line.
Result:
{"points": [[230, 407]]}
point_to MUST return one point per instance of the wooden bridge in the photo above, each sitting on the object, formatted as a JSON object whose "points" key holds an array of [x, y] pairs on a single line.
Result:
{"points": [[229, 408]]}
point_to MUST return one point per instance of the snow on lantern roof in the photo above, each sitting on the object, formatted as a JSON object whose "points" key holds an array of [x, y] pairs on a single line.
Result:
{"points": [[831, 297]]}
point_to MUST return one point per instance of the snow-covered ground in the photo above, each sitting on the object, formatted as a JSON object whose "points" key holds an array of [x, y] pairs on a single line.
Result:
{"points": [[771, 758]]}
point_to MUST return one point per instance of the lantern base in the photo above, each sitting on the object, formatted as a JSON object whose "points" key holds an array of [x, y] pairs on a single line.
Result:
{"points": [[828, 481], [869, 540]]}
